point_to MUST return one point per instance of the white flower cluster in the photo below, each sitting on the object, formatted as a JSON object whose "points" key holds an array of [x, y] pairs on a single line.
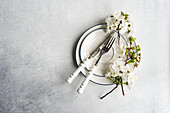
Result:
{"points": [[118, 68], [120, 51], [119, 72], [118, 20]]}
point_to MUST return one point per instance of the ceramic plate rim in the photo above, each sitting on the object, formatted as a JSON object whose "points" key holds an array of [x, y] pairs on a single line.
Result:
{"points": [[82, 38]]}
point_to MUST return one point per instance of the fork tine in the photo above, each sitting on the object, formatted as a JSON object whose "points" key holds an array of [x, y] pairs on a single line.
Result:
{"points": [[111, 43], [106, 48], [111, 38]]}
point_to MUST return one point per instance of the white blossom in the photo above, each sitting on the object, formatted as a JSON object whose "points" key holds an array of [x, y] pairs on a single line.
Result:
{"points": [[131, 79], [115, 18], [119, 70], [124, 27], [126, 72], [120, 50], [118, 16]]}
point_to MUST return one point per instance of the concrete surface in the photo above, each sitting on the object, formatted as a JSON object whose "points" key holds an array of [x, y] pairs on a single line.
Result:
{"points": [[37, 45]]}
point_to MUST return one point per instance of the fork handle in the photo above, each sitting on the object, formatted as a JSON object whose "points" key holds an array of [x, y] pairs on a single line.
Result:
{"points": [[77, 71], [85, 82]]}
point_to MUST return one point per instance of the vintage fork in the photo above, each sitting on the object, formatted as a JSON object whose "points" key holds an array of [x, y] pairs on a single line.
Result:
{"points": [[104, 50]]}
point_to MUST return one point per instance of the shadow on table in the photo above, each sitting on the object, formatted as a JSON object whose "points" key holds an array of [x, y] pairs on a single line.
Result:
{"points": [[74, 51]]}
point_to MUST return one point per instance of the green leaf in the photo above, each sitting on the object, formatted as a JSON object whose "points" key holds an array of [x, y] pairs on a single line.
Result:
{"points": [[120, 82], [133, 58], [133, 48], [117, 77], [133, 54], [131, 61], [131, 39], [109, 77], [126, 15], [126, 53], [138, 48], [130, 53], [128, 71], [126, 83], [122, 13]]}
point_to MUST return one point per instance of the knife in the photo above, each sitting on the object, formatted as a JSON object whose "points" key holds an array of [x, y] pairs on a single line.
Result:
{"points": [[84, 63]]}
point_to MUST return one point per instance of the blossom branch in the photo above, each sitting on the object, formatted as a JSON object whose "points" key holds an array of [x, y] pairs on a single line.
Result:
{"points": [[122, 90], [119, 32], [109, 92], [120, 72]]}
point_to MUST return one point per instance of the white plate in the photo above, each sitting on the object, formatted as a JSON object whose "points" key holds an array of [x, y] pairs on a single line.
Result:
{"points": [[89, 41]]}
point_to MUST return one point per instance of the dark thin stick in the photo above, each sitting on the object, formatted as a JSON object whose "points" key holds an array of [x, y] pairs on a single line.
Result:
{"points": [[118, 35], [109, 92], [122, 90], [130, 44], [126, 61]]}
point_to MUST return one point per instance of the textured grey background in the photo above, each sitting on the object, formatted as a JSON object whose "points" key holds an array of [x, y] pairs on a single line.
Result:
{"points": [[37, 43]]}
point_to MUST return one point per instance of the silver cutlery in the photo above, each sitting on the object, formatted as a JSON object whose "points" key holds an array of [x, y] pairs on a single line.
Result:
{"points": [[84, 63], [104, 50]]}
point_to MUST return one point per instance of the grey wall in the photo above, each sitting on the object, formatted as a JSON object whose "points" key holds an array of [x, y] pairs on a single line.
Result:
{"points": [[37, 43]]}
